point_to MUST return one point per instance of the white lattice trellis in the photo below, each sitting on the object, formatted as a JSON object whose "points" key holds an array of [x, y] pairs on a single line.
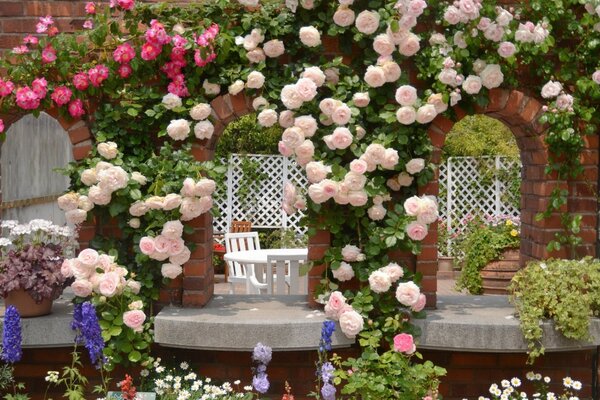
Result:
{"points": [[263, 202], [476, 186]]}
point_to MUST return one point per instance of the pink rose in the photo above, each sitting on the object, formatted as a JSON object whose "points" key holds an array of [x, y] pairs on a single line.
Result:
{"points": [[551, 89], [367, 22], [452, 15], [361, 99], [379, 282], [390, 159], [88, 257], [124, 53], [307, 123], [383, 45], [394, 271], [375, 76], [293, 137], [596, 76], [267, 118], [171, 271], [420, 304], [66, 269], [306, 89], [172, 230], [171, 201], [334, 305], [408, 293], [317, 193], [314, 74], [189, 186], [274, 48], [341, 115], [61, 95], [310, 36], [406, 115], [161, 244], [109, 283], [351, 323], [564, 101], [76, 109], [344, 272], [286, 119], [76, 217], [181, 258], [134, 319], [284, 150], [409, 45], [357, 198], [416, 231], [492, 76], [406, 95], [415, 166], [375, 153], [472, 85], [316, 171], [358, 166], [506, 49], [341, 138], [403, 343], [82, 288], [351, 253], [392, 71], [126, 4], [27, 99], [377, 212], [328, 106], [98, 74], [354, 181], [344, 16], [426, 114], [305, 152], [176, 246]]}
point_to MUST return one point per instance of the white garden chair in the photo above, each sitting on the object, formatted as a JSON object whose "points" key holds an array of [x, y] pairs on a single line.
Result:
{"points": [[238, 272], [283, 272]]}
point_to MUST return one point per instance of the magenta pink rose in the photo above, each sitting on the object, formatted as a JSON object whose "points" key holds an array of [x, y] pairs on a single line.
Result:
{"points": [[404, 343], [76, 108], [61, 95], [134, 319]]}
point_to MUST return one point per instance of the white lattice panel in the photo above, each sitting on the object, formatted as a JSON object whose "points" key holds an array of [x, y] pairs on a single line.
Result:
{"points": [[262, 204], [476, 186]]}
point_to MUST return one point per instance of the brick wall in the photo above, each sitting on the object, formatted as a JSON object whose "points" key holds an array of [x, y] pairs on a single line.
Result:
{"points": [[469, 374]]}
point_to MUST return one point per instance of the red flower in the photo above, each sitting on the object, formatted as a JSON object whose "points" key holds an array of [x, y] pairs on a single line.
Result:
{"points": [[218, 247], [127, 388]]}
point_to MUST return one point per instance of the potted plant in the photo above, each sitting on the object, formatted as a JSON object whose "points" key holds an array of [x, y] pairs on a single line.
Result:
{"points": [[491, 256], [30, 264], [445, 257]]}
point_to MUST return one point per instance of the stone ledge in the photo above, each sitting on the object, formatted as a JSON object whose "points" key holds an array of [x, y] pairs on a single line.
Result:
{"points": [[488, 324], [238, 322]]}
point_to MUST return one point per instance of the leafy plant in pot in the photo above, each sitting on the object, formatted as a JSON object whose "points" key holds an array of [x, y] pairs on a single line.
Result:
{"points": [[30, 265]]}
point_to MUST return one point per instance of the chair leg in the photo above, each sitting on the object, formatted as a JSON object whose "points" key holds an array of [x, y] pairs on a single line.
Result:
{"points": [[231, 288]]}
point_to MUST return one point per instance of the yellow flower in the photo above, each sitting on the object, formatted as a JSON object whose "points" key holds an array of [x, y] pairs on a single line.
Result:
{"points": [[509, 223], [514, 233]]}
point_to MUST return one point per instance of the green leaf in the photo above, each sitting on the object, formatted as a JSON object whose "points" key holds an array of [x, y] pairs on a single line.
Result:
{"points": [[133, 112], [134, 356]]}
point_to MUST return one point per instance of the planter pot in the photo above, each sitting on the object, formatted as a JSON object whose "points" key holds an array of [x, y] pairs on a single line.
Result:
{"points": [[25, 304], [138, 396], [496, 276], [445, 267]]}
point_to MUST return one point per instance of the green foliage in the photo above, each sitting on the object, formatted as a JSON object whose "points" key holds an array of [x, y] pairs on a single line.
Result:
{"points": [[8, 384], [479, 135], [282, 238], [565, 291], [245, 136], [484, 243]]}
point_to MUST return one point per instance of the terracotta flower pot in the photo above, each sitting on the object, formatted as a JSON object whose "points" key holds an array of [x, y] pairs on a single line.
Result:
{"points": [[25, 304], [496, 275], [445, 267]]}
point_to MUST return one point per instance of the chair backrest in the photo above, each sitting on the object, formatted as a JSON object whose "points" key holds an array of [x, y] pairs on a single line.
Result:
{"points": [[240, 242], [240, 226], [286, 270]]}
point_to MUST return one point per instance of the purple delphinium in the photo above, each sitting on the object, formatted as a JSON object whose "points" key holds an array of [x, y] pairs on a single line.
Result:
{"points": [[327, 371], [326, 332], [260, 383], [85, 322], [325, 368], [328, 391], [11, 336], [262, 356]]}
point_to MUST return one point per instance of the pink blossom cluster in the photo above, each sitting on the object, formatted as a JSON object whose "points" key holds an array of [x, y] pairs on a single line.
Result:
{"points": [[75, 206], [61, 95], [173, 68], [6, 87], [46, 25], [256, 54], [405, 179], [351, 322], [292, 201], [206, 53], [168, 245], [196, 197], [404, 343], [529, 32], [408, 294], [123, 54], [462, 11], [562, 102], [90, 8], [28, 98], [156, 37], [425, 210], [135, 317], [387, 70], [126, 5], [382, 279], [98, 74], [24, 48], [97, 274]]}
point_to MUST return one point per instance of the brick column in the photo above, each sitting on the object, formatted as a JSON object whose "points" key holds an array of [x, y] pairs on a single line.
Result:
{"points": [[317, 246]]}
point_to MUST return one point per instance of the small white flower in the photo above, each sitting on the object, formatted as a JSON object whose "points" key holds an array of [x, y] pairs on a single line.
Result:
{"points": [[516, 382], [184, 365], [505, 383], [576, 385]]}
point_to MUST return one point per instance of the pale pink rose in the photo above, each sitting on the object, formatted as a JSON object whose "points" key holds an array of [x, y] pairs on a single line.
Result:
{"points": [[66, 267], [420, 304], [448, 76], [351, 253], [344, 16], [412, 206], [106, 262], [200, 111], [377, 212], [416, 7], [409, 45], [596, 76], [305, 151], [390, 159], [332, 75], [286, 119], [564, 101], [314, 74], [357, 198], [405, 179], [437, 101], [76, 217], [375, 76], [182, 257], [361, 99], [82, 288], [300, 203], [351, 323], [171, 201], [452, 15], [375, 153], [317, 193], [416, 231], [204, 130], [360, 132], [135, 286], [112, 179], [154, 202], [492, 76], [367, 22], [310, 36], [341, 115], [134, 223], [171, 271], [293, 137], [478, 66], [176, 246], [84, 203], [328, 106], [344, 272], [358, 166], [274, 48], [506, 49], [494, 32], [102, 165], [99, 195], [330, 187], [109, 284], [88, 257], [147, 245], [307, 123], [408, 293], [178, 129], [426, 114], [455, 97], [393, 184], [404, 343], [204, 187], [335, 304], [211, 89], [88, 177], [428, 210], [284, 150], [383, 45], [161, 244], [259, 103], [551, 89], [172, 230], [139, 178], [138, 209], [341, 197], [415, 166], [236, 87], [406, 115], [406, 95], [80, 270], [341, 138], [392, 71], [379, 282], [291, 98], [134, 319], [256, 55], [355, 181], [107, 150], [472, 85], [136, 305], [394, 271], [306, 89]]}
